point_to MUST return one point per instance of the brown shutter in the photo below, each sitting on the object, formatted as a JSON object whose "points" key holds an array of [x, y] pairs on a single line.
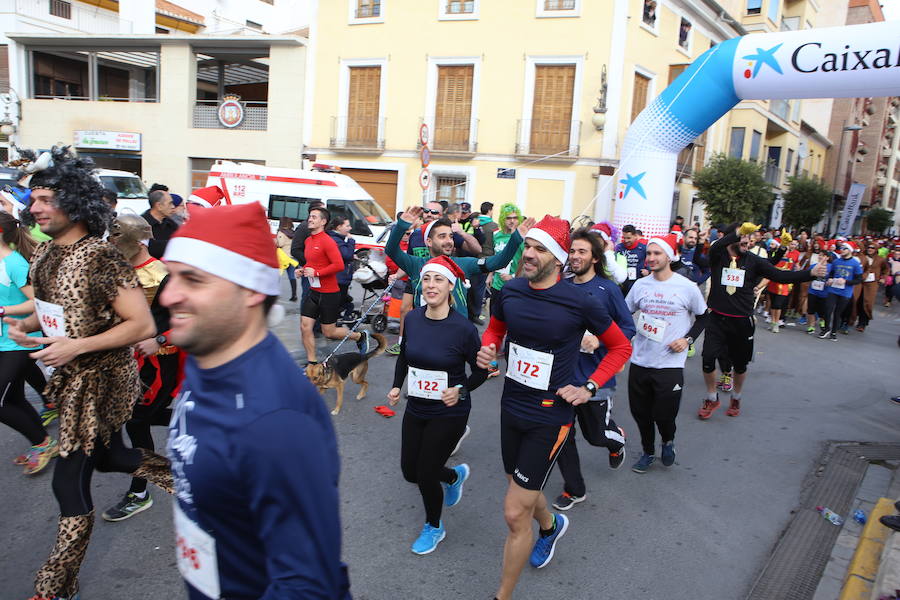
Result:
{"points": [[675, 71], [639, 96], [551, 114], [362, 109], [4, 68], [453, 107]]}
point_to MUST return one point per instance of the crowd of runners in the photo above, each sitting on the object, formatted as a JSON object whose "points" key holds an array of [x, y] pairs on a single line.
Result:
{"points": [[163, 319]]}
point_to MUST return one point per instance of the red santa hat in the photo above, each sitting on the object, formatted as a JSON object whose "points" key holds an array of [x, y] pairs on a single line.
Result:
{"points": [[232, 242], [443, 265], [676, 231], [208, 196], [668, 243], [552, 234], [603, 229], [426, 229]]}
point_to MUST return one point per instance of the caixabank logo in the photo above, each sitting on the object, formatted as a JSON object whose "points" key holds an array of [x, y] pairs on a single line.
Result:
{"points": [[818, 63]]}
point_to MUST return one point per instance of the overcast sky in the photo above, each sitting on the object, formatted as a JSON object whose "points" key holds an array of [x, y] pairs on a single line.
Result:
{"points": [[891, 9]]}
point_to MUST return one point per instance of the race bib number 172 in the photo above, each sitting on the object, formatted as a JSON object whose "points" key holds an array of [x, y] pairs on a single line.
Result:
{"points": [[529, 367]]}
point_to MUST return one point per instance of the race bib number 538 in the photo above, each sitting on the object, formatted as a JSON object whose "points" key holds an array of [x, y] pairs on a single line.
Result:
{"points": [[733, 277], [529, 367]]}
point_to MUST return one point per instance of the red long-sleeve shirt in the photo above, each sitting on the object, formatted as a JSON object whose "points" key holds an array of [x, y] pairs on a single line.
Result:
{"points": [[322, 255]]}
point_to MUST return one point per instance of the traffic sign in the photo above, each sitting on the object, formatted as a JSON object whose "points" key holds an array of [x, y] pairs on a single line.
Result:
{"points": [[424, 134], [425, 179], [425, 155]]}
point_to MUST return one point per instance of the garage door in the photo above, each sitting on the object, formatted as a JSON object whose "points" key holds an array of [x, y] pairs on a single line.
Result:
{"points": [[381, 185]]}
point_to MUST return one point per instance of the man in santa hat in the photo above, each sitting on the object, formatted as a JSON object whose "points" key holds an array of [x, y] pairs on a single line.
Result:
{"points": [[251, 520], [673, 314], [537, 405], [846, 272]]}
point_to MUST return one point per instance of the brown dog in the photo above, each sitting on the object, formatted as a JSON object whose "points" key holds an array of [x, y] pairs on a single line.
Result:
{"points": [[333, 373]]}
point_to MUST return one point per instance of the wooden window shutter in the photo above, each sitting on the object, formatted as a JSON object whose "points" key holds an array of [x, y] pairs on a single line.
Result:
{"points": [[363, 106], [639, 96], [551, 114], [453, 108], [675, 71]]}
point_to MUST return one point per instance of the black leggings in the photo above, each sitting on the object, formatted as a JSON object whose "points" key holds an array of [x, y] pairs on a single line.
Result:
{"points": [[834, 309], [72, 475], [654, 396], [35, 378], [426, 446], [153, 411], [15, 410]]}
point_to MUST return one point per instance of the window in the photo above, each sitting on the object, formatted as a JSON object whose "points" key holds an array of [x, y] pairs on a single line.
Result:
{"points": [[558, 8], [754, 7], [773, 11], [551, 114], [366, 9], [684, 34], [450, 189], [363, 106], [790, 159], [293, 207], [736, 147], [559, 4], [458, 10], [675, 71], [254, 25], [61, 75], [61, 9], [460, 7], [700, 151], [162, 30], [124, 75], [639, 95], [772, 165], [755, 142], [453, 108], [649, 15]]}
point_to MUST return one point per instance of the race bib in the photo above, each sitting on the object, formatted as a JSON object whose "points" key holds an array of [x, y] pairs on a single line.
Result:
{"points": [[51, 318], [733, 277], [423, 383], [581, 348], [529, 367], [632, 272], [652, 328], [838, 285], [195, 553], [870, 277], [817, 285], [314, 282]]}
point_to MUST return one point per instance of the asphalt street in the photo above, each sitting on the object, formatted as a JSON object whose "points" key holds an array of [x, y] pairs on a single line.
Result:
{"points": [[701, 529]]}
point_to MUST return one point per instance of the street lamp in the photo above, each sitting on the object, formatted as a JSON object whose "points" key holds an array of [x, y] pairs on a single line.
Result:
{"points": [[837, 165]]}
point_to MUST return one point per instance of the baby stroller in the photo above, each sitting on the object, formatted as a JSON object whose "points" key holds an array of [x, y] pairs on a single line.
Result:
{"points": [[372, 274]]}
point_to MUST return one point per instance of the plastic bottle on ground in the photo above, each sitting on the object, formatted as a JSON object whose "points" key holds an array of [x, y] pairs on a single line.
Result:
{"points": [[830, 515]]}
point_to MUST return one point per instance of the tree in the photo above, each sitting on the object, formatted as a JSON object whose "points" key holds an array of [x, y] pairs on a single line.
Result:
{"points": [[805, 202], [733, 189], [879, 219]]}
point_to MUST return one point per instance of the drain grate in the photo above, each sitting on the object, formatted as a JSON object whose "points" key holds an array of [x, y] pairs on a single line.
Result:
{"points": [[796, 564]]}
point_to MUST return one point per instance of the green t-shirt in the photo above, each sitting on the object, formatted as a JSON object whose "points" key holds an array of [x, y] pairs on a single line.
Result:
{"points": [[500, 242]]}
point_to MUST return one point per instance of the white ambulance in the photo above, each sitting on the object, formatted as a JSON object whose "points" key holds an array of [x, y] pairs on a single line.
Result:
{"points": [[288, 193]]}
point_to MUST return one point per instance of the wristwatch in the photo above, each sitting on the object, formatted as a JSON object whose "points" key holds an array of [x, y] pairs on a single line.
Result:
{"points": [[2, 311], [161, 340], [689, 340], [591, 387]]}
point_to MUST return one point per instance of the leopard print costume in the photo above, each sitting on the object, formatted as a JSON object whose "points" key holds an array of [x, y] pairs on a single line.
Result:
{"points": [[59, 575], [95, 392]]}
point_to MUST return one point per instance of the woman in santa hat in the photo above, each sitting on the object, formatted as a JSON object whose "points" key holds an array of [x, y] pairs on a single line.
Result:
{"points": [[438, 396]]}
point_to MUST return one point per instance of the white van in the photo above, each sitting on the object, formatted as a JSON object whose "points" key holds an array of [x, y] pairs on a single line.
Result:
{"points": [[129, 188], [288, 192]]}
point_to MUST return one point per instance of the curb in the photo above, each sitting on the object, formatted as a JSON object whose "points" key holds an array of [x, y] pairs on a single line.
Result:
{"points": [[867, 558], [888, 580]]}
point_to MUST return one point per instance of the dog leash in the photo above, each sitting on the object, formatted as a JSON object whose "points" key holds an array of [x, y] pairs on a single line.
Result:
{"points": [[355, 325]]}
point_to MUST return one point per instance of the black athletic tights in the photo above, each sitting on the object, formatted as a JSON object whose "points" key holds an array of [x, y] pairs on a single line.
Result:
{"points": [[426, 446], [15, 410], [72, 475]]}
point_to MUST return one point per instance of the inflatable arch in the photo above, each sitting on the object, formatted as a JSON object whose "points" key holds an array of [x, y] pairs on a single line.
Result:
{"points": [[840, 62]]}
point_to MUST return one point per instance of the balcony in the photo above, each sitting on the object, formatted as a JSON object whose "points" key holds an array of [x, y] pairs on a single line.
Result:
{"points": [[773, 175], [780, 108], [73, 15], [453, 138], [363, 135], [206, 116], [550, 138]]}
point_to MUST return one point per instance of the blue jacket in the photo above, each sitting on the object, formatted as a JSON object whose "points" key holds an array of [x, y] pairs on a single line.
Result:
{"points": [[347, 247]]}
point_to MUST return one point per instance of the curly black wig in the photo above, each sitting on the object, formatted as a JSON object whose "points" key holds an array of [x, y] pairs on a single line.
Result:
{"points": [[79, 193]]}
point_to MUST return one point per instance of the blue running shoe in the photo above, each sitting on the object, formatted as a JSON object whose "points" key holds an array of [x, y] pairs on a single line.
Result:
{"points": [[543, 549], [668, 454], [453, 491], [429, 539], [643, 463], [801, 321]]}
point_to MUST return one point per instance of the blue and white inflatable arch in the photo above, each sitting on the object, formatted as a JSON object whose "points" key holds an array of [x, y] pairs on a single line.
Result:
{"points": [[840, 62]]}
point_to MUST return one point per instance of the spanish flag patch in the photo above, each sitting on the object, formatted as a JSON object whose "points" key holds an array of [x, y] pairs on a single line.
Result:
{"points": [[546, 403]]}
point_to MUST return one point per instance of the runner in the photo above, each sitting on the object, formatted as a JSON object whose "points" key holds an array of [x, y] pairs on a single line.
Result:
{"points": [[892, 279], [587, 260], [17, 301], [252, 445], [730, 326], [323, 303], [785, 258], [159, 362], [439, 342], [815, 300], [90, 305], [846, 271], [537, 403], [510, 219], [875, 268], [634, 252], [667, 302]]}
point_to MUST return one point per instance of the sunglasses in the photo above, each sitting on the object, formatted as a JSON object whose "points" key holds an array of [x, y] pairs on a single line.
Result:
{"points": [[431, 211]]}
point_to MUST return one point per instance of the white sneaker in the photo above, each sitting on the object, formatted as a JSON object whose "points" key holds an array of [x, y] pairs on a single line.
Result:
{"points": [[459, 443]]}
